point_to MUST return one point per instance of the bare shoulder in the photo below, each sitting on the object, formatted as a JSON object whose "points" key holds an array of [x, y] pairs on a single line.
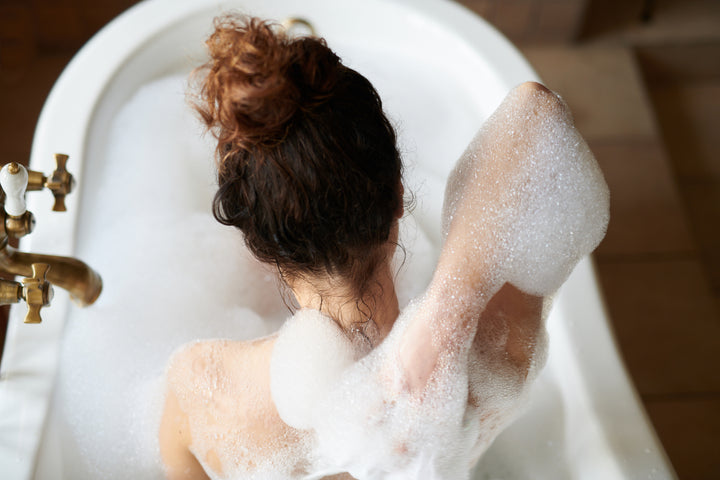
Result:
{"points": [[217, 389], [219, 367]]}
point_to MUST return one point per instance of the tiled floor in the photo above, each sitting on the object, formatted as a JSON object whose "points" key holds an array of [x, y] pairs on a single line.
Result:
{"points": [[659, 147]]}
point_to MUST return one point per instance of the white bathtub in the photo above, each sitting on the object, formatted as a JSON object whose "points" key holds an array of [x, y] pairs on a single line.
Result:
{"points": [[584, 421]]}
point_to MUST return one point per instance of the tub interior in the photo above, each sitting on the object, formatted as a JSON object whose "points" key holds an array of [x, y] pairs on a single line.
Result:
{"points": [[441, 72]]}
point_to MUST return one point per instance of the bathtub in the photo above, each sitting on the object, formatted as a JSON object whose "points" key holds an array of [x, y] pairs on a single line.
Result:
{"points": [[584, 420]]}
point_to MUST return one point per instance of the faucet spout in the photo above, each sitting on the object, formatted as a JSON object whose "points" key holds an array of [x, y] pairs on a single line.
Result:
{"points": [[81, 281]]}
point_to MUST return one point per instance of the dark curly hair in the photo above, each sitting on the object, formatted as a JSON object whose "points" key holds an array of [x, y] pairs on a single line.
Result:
{"points": [[308, 166]]}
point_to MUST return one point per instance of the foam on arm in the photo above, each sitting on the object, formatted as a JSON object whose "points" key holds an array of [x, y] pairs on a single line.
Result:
{"points": [[524, 203]]}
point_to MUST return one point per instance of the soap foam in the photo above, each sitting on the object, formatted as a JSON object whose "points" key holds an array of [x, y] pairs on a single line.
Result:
{"points": [[529, 182]]}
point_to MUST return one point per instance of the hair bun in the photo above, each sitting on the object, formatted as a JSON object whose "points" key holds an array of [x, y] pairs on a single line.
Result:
{"points": [[258, 78]]}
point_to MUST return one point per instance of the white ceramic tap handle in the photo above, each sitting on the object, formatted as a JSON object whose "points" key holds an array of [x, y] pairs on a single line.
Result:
{"points": [[14, 181]]}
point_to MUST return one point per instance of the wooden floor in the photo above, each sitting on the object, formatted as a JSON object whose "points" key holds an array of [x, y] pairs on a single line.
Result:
{"points": [[647, 98]]}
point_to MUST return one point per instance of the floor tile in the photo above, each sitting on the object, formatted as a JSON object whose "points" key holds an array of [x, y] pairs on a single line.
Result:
{"points": [[689, 115], [677, 21], [59, 27], [646, 213], [690, 432], [666, 324], [672, 64], [22, 100], [557, 21], [702, 204], [602, 86], [17, 41], [514, 18]]}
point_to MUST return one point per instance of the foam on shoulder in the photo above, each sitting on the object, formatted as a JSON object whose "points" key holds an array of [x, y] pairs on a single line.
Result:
{"points": [[310, 354], [373, 428]]}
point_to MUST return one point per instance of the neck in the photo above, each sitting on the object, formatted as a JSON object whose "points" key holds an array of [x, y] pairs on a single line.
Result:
{"points": [[333, 297]]}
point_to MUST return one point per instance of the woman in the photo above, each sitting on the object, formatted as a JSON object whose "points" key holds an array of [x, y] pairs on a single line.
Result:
{"points": [[309, 171]]}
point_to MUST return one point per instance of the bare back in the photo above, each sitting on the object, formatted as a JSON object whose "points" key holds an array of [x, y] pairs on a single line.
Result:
{"points": [[220, 391]]}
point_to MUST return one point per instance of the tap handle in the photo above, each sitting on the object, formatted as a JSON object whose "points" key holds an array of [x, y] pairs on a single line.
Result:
{"points": [[61, 182], [37, 292], [14, 181]]}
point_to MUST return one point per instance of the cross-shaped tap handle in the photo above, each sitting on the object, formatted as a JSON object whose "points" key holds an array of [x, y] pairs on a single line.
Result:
{"points": [[37, 292], [61, 182]]}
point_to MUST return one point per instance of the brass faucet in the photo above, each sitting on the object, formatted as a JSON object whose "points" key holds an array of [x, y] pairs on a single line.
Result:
{"points": [[40, 271]]}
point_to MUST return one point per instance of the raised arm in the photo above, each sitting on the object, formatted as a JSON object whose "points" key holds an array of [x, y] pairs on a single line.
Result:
{"points": [[525, 202]]}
